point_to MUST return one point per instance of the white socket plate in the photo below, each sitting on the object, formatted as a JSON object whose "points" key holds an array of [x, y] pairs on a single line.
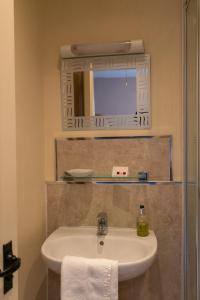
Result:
{"points": [[120, 171]]}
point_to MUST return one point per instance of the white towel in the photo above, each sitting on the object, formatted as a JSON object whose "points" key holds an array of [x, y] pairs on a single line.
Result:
{"points": [[89, 279]]}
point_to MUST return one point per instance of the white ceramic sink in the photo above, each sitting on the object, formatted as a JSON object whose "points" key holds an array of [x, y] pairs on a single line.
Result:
{"points": [[134, 254]]}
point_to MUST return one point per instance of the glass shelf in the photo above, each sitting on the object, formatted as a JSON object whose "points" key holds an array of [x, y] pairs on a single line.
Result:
{"points": [[102, 179], [112, 181]]}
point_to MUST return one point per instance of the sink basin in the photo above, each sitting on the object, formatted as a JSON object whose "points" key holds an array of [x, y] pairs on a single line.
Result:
{"points": [[134, 254]]}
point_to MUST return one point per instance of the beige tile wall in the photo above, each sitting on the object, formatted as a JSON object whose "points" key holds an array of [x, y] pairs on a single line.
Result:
{"points": [[78, 204], [139, 154]]}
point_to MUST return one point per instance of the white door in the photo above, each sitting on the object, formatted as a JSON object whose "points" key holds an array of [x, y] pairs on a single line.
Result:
{"points": [[8, 193]]}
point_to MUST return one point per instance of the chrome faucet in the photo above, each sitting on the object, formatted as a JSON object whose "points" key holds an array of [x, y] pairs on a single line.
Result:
{"points": [[102, 223]]}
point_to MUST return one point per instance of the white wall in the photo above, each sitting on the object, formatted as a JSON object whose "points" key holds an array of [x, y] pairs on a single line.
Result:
{"points": [[157, 22], [8, 185], [30, 150]]}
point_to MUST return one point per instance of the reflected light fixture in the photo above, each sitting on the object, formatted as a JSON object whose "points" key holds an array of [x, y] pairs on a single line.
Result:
{"points": [[81, 50]]}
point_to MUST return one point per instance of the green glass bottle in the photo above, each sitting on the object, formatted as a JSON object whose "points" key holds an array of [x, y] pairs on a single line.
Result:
{"points": [[142, 223]]}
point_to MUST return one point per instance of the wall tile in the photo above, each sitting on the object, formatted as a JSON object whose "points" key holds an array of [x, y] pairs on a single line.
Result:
{"points": [[79, 204], [139, 154]]}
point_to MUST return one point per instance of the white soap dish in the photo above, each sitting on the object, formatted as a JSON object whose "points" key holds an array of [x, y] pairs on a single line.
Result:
{"points": [[80, 172]]}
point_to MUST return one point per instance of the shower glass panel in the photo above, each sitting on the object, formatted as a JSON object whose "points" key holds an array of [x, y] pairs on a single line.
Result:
{"points": [[191, 147]]}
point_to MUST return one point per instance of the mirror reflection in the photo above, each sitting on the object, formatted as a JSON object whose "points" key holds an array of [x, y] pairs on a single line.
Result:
{"points": [[105, 92]]}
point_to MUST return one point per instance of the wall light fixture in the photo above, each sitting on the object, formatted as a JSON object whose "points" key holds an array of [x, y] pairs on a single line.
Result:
{"points": [[80, 50]]}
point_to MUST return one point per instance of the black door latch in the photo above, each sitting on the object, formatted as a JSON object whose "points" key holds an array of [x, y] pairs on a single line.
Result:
{"points": [[11, 263]]}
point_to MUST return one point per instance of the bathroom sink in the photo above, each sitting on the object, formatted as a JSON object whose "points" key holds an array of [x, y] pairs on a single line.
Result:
{"points": [[134, 254]]}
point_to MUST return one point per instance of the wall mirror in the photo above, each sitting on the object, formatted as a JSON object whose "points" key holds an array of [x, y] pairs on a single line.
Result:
{"points": [[106, 92]]}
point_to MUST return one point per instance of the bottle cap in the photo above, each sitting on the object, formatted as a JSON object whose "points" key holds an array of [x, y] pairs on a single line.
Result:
{"points": [[141, 206]]}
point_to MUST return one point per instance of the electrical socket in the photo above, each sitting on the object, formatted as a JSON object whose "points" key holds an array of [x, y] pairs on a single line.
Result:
{"points": [[119, 171]]}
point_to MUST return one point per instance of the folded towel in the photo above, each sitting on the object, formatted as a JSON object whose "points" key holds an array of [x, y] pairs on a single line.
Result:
{"points": [[89, 279]]}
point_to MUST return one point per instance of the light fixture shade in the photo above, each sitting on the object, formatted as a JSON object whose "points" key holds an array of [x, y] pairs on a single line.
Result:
{"points": [[80, 50]]}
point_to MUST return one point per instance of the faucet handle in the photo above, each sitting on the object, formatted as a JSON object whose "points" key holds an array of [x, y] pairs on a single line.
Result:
{"points": [[102, 220], [102, 215]]}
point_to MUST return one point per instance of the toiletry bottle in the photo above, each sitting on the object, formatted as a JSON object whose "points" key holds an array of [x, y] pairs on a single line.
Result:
{"points": [[142, 223]]}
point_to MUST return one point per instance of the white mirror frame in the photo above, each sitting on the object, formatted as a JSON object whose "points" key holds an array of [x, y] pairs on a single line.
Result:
{"points": [[140, 120]]}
